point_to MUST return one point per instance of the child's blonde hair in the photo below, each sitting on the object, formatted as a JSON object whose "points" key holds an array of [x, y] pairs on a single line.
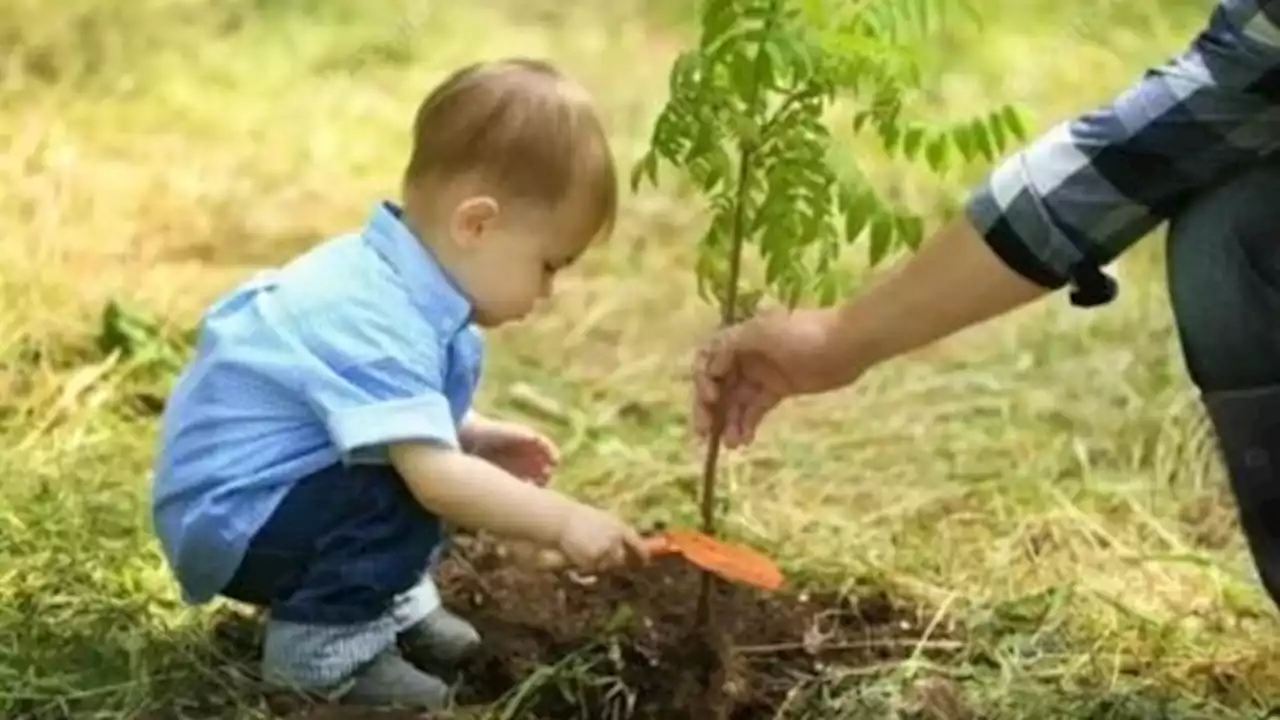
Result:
{"points": [[526, 128]]}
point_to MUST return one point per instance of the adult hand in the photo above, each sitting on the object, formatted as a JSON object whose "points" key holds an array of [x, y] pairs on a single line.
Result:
{"points": [[755, 365], [952, 282]]}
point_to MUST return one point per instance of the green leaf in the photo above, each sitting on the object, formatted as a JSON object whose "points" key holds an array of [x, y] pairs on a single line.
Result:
{"points": [[995, 124], [742, 72], [828, 290], [881, 238], [910, 230], [718, 18], [860, 120], [646, 168], [911, 142], [859, 207], [982, 139], [889, 135], [962, 135], [788, 52], [936, 153], [1013, 121]]}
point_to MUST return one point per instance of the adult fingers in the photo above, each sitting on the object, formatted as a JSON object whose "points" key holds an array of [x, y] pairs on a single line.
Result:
{"points": [[706, 392], [718, 352], [717, 370], [718, 357], [753, 414], [705, 380], [734, 398], [701, 414], [745, 418], [734, 405]]}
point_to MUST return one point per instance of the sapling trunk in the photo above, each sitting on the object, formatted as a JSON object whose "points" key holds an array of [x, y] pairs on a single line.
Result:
{"points": [[728, 316]]}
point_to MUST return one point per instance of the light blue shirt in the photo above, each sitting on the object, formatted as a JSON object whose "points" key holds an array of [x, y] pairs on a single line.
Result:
{"points": [[360, 342]]}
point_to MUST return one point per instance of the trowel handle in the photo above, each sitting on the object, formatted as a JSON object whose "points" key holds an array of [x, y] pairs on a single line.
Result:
{"points": [[548, 559]]}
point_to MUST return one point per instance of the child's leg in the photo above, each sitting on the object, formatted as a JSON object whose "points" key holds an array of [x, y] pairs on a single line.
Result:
{"points": [[433, 639], [339, 566], [440, 641]]}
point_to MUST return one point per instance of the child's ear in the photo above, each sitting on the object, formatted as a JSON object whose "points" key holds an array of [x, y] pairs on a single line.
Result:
{"points": [[473, 218]]}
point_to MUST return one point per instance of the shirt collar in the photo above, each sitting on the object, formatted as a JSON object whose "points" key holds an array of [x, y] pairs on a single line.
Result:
{"points": [[433, 290]]}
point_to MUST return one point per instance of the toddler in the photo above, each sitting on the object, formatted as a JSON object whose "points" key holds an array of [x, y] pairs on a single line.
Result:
{"points": [[322, 439]]}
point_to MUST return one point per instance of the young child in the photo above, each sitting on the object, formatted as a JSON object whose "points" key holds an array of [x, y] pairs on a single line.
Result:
{"points": [[322, 439]]}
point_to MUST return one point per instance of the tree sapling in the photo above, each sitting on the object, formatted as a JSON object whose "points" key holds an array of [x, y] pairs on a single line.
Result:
{"points": [[746, 122]]}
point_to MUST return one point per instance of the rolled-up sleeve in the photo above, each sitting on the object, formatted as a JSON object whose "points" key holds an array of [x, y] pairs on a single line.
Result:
{"points": [[375, 377], [1089, 188]]}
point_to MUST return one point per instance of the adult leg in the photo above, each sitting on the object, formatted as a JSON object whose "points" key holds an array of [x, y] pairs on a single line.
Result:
{"points": [[339, 566], [1224, 280]]}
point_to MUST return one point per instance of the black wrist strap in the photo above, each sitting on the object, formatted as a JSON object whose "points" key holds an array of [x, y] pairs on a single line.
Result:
{"points": [[1091, 287]]}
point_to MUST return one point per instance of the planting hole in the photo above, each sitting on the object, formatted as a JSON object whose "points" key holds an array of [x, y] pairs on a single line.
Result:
{"points": [[624, 646]]}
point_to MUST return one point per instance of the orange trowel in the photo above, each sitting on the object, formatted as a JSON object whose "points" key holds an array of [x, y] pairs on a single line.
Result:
{"points": [[734, 563]]}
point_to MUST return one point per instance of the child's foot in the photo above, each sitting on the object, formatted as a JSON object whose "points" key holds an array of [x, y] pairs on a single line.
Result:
{"points": [[390, 680], [440, 640]]}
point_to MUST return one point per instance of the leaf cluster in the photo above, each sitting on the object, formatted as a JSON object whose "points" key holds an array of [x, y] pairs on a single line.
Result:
{"points": [[746, 122]]}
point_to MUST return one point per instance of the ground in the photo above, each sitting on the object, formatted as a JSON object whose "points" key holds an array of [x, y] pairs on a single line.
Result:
{"points": [[625, 645], [1014, 532]]}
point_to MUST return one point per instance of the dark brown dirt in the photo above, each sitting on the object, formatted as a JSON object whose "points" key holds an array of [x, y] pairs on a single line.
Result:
{"points": [[638, 628]]}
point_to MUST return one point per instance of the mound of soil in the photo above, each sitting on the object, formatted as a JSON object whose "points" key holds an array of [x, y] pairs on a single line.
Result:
{"points": [[624, 646]]}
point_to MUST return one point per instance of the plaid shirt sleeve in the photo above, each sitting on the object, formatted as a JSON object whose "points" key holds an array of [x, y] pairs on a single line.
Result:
{"points": [[1081, 194]]}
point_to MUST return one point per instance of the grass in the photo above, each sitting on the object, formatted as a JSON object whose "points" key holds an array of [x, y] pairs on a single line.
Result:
{"points": [[1075, 522]]}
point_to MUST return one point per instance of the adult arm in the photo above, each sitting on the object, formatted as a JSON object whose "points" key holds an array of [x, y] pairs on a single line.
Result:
{"points": [[1048, 216], [1088, 189]]}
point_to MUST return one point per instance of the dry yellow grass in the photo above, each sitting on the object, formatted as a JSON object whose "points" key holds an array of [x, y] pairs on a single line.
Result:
{"points": [[1074, 521]]}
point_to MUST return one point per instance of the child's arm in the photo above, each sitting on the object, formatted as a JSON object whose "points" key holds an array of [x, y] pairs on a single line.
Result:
{"points": [[477, 494], [518, 449], [474, 493], [375, 376], [471, 428]]}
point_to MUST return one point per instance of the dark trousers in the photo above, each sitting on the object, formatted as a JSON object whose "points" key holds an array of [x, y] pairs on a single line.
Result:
{"points": [[1224, 282], [339, 549]]}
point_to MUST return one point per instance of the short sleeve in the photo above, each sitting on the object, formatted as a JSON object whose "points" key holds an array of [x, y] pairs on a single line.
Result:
{"points": [[1090, 187], [375, 377]]}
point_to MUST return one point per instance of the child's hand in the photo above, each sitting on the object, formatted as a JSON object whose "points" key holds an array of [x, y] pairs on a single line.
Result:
{"points": [[595, 541], [520, 450]]}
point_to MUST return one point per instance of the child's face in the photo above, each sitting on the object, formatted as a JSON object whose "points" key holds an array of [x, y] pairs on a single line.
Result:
{"points": [[506, 257]]}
